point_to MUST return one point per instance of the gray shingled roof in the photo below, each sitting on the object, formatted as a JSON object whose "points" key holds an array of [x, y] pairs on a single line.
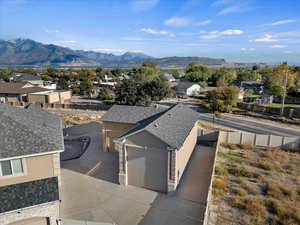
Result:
{"points": [[182, 86], [28, 131], [25, 77], [18, 88], [172, 126], [130, 114]]}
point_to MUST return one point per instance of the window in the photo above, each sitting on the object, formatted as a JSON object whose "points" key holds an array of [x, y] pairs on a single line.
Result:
{"points": [[11, 167]]}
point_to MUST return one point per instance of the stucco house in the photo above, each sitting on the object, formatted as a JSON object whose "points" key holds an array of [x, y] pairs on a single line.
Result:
{"points": [[154, 144], [30, 143], [186, 88], [27, 78], [26, 92], [17, 92]]}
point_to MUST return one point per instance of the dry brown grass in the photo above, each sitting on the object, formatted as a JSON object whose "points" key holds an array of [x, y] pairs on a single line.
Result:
{"points": [[70, 119], [219, 183], [262, 185], [244, 172], [280, 191]]}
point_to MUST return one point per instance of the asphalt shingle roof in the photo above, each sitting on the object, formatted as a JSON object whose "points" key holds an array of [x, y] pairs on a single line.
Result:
{"points": [[28, 131], [26, 77], [172, 126], [130, 114], [182, 86], [18, 88]]}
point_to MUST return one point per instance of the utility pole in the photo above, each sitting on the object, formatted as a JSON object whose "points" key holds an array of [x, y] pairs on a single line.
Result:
{"points": [[284, 88]]}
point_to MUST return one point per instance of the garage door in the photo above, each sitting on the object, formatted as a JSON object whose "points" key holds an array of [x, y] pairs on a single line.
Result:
{"points": [[147, 168]]}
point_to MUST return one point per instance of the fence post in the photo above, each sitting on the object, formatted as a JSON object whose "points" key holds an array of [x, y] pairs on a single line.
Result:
{"points": [[254, 141], [227, 136], [269, 140], [241, 138]]}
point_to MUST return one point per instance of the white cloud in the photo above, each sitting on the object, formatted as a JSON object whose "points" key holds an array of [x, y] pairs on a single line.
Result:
{"points": [[278, 46], [203, 23], [143, 5], [209, 35], [282, 22], [177, 21], [51, 31], [232, 6], [231, 9], [266, 38], [248, 49], [156, 32]]}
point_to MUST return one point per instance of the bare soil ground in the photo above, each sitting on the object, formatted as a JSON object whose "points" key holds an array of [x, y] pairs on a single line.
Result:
{"points": [[256, 186], [76, 119]]}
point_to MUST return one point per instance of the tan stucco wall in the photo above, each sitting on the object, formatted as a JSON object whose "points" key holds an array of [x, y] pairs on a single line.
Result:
{"points": [[65, 96], [183, 155], [36, 168], [111, 130], [53, 98], [36, 98]]}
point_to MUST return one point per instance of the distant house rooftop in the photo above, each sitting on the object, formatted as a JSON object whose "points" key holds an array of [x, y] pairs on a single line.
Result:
{"points": [[25, 77], [18, 88], [182, 86], [28, 131]]}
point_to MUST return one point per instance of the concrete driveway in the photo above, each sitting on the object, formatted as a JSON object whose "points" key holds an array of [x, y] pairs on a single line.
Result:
{"points": [[94, 162], [93, 198]]}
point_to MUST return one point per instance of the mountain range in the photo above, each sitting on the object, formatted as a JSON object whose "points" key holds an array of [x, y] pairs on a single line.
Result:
{"points": [[30, 53]]}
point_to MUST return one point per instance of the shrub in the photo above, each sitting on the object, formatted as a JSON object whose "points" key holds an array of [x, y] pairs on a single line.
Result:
{"points": [[266, 165], [219, 183], [239, 192], [279, 191], [229, 146], [251, 205], [243, 172], [246, 146], [220, 170]]}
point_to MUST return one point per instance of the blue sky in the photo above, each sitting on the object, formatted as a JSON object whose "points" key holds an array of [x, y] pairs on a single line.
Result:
{"points": [[237, 30]]}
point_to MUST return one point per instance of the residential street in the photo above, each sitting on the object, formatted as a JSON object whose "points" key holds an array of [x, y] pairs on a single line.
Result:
{"points": [[251, 126]]}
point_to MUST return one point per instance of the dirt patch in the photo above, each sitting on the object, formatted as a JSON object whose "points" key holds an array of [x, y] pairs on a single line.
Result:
{"points": [[256, 186], [72, 119]]}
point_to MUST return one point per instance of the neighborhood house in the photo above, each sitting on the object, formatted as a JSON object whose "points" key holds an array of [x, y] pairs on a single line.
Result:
{"points": [[154, 144], [30, 143]]}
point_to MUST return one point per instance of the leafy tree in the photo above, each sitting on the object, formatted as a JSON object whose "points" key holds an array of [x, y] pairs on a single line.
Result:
{"points": [[274, 81], [227, 75], [222, 82], [85, 87], [5, 74], [105, 94], [99, 70], [141, 89], [46, 77], [223, 99], [248, 75], [196, 72], [149, 63], [63, 83], [75, 91]]}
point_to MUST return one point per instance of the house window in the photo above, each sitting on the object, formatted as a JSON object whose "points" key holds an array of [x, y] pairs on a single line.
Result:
{"points": [[11, 167]]}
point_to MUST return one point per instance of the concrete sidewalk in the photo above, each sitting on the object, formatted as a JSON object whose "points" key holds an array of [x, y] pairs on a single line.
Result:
{"points": [[81, 222]]}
